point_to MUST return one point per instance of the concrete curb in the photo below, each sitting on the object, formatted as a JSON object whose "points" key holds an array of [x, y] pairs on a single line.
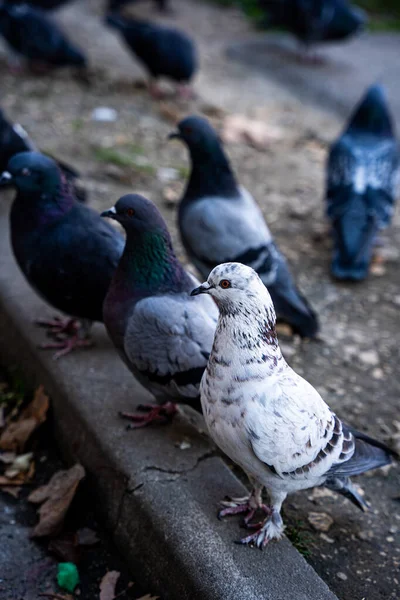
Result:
{"points": [[158, 501]]}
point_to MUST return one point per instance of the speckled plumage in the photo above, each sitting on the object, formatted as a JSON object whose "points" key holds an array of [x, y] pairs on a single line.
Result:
{"points": [[362, 180], [163, 335], [220, 221], [264, 416]]}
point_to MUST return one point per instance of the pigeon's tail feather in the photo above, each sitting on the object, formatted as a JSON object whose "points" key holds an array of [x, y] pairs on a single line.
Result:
{"points": [[354, 244], [368, 454], [295, 310], [344, 487]]}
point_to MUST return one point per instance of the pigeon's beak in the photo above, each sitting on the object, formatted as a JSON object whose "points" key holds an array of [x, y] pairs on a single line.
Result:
{"points": [[6, 179], [174, 135], [202, 289], [111, 213]]}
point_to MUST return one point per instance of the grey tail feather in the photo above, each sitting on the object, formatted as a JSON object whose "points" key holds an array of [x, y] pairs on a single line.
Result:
{"points": [[344, 487]]}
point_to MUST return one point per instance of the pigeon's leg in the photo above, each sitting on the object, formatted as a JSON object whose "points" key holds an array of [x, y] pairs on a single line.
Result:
{"points": [[68, 333], [185, 92], [247, 505], [155, 414], [272, 527]]}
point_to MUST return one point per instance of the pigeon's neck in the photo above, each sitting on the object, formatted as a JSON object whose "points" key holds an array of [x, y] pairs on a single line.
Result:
{"points": [[372, 117], [149, 265], [246, 343], [39, 209], [211, 175]]}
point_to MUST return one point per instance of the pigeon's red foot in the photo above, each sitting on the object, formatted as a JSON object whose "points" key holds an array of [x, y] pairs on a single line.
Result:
{"points": [[155, 414], [58, 326], [271, 529], [248, 505], [67, 345]]}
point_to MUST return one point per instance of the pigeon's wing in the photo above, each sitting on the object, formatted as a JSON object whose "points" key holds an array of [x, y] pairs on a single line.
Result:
{"points": [[289, 303], [38, 37], [168, 340], [217, 230], [293, 431]]}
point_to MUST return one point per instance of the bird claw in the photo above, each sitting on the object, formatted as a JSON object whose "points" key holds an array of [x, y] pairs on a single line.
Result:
{"points": [[259, 539], [59, 327], [66, 346], [244, 505], [155, 413]]}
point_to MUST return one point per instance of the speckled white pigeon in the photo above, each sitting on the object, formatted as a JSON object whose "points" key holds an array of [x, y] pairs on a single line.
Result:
{"points": [[264, 416]]}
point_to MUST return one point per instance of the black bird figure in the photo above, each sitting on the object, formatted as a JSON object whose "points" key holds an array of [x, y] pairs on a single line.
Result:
{"points": [[362, 178], [67, 253]]}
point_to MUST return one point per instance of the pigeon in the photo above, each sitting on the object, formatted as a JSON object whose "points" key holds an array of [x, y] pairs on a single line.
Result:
{"points": [[315, 21], [267, 418], [31, 34], [219, 221], [163, 335], [164, 51], [116, 5], [66, 251], [362, 180], [14, 139]]}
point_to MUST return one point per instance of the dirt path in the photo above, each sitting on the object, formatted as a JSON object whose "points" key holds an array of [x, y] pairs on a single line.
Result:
{"points": [[355, 367]]}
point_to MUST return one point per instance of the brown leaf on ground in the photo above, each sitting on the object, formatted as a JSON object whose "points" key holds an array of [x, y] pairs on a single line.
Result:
{"points": [[239, 128], [107, 585], [57, 496], [148, 597], [15, 436], [21, 464], [13, 491], [66, 548], [19, 479], [321, 521]]}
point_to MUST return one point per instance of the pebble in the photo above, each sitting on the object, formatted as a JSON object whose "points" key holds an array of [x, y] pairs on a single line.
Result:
{"points": [[341, 576], [326, 538], [378, 373], [167, 174], [105, 114], [369, 357]]}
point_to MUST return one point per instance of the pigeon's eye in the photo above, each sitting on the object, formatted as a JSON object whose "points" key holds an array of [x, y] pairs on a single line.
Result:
{"points": [[225, 284], [25, 172], [130, 212]]}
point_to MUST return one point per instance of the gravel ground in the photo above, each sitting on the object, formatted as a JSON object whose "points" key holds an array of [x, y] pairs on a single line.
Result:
{"points": [[355, 364]]}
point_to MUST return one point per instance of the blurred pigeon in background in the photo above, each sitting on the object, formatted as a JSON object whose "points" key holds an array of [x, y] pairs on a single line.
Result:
{"points": [[14, 139], [43, 4], [163, 335], [362, 178], [165, 52], [32, 35], [315, 21], [267, 418], [219, 221], [66, 251], [116, 5]]}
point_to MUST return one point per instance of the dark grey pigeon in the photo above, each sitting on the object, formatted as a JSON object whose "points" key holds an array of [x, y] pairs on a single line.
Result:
{"points": [[42, 4], [66, 251], [163, 335], [32, 35], [219, 221], [362, 177], [315, 21], [116, 5], [164, 51], [14, 139]]}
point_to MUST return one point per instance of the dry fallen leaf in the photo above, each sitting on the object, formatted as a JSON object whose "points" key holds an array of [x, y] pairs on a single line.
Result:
{"points": [[21, 464], [19, 479], [107, 585], [13, 491], [148, 597], [57, 495], [15, 436], [239, 128], [66, 548], [321, 521]]}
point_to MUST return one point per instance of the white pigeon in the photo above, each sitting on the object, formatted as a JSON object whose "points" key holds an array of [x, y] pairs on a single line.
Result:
{"points": [[267, 418]]}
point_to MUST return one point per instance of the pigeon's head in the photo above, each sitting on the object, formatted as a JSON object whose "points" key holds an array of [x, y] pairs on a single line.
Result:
{"points": [[235, 288], [137, 215], [32, 173], [198, 135], [372, 113]]}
